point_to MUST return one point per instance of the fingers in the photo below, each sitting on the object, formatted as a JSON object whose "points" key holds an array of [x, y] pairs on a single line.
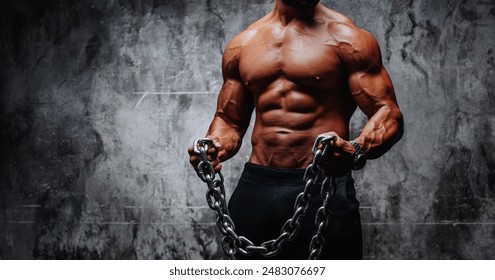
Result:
{"points": [[217, 166], [338, 143], [194, 161], [190, 150], [338, 156], [320, 145], [220, 153], [212, 155], [331, 133], [338, 147]]}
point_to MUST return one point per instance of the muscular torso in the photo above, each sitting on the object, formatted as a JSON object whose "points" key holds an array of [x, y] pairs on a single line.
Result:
{"points": [[299, 90]]}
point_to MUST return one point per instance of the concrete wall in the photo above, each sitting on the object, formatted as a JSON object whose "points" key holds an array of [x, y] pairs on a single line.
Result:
{"points": [[92, 168]]}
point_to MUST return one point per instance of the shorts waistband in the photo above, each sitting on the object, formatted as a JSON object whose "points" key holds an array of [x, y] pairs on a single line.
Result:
{"points": [[267, 173], [256, 172]]}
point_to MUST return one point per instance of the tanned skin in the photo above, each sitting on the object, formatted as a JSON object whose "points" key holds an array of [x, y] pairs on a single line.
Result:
{"points": [[305, 71]]}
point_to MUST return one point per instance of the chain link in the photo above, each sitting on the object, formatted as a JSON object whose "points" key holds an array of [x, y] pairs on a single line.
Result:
{"points": [[321, 219], [233, 244]]}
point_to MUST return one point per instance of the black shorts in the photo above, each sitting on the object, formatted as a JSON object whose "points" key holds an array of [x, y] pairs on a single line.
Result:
{"points": [[264, 199]]}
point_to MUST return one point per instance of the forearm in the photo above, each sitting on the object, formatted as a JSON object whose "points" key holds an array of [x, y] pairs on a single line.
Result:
{"points": [[229, 136], [381, 132]]}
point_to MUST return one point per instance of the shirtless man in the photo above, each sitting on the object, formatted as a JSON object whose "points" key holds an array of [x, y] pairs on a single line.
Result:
{"points": [[304, 68]]}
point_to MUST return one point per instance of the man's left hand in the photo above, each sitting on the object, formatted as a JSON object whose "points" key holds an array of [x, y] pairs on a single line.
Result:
{"points": [[339, 156]]}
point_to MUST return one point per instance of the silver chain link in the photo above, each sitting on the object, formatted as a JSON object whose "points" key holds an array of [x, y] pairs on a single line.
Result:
{"points": [[231, 242]]}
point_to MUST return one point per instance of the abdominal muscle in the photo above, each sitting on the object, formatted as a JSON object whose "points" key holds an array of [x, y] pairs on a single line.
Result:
{"points": [[287, 125]]}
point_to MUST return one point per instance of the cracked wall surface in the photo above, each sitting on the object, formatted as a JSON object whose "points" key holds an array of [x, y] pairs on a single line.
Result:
{"points": [[100, 100]]}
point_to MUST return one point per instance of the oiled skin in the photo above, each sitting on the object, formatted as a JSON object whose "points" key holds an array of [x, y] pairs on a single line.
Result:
{"points": [[305, 71]]}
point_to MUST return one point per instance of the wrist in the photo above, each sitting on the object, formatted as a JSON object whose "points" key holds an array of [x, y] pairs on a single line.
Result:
{"points": [[364, 142], [359, 157]]}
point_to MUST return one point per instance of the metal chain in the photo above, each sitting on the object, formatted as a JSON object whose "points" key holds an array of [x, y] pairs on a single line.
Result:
{"points": [[231, 242], [321, 219]]}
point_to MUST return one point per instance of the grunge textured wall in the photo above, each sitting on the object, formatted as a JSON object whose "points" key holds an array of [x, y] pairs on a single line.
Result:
{"points": [[100, 99]]}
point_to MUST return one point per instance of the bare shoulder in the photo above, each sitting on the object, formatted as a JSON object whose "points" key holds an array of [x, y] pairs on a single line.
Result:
{"points": [[233, 50], [357, 47], [246, 36]]}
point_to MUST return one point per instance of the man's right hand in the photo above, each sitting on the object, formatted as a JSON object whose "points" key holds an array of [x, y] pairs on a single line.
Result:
{"points": [[211, 155]]}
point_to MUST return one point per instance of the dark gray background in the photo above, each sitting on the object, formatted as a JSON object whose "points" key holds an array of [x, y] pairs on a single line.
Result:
{"points": [[91, 168]]}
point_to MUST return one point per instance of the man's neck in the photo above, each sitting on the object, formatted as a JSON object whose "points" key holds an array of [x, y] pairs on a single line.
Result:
{"points": [[286, 13]]}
